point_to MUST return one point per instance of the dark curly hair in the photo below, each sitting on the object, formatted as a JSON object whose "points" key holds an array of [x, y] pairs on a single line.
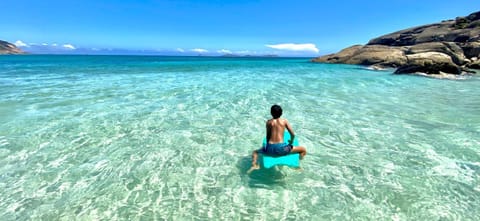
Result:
{"points": [[276, 111]]}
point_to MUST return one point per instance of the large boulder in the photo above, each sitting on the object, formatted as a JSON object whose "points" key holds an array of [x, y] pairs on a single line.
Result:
{"points": [[429, 63], [380, 55], [412, 36], [367, 55], [475, 64], [471, 49], [340, 57], [434, 69], [450, 46], [460, 30]]}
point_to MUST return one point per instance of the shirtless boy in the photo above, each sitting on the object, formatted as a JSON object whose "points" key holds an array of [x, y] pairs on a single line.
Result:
{"points": [[276, 146]]}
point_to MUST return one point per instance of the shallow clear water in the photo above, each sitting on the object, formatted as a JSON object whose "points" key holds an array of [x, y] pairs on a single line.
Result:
{"points": [[170, 138]]}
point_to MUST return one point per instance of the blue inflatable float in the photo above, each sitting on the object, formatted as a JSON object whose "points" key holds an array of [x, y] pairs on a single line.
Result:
{"points": [[292, 160]]}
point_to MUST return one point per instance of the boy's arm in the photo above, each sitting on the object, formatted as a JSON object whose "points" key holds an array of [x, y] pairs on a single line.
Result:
{"points": [[290, 130], [269, 129]]}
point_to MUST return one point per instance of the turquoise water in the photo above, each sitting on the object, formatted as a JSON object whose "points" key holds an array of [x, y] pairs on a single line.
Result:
{"points": [[170, 138]]}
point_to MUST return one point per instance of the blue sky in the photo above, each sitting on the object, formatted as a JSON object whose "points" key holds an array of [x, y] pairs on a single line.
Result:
{"points": [[255, 27]]}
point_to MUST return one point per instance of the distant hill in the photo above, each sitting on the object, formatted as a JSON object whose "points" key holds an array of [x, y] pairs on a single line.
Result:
{"points": [[9, 48], [447, 47]]}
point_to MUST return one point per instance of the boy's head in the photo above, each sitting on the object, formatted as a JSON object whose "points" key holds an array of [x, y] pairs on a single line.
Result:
{"points": [[276, 111]]}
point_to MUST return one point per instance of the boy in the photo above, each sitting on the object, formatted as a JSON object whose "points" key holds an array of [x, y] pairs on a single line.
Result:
{"points": [[275, 144]]}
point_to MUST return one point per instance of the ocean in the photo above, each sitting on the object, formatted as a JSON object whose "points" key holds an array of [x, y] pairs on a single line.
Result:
{"points": [[170, 138]]}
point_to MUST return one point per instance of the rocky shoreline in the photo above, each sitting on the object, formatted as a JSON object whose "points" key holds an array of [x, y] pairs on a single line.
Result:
{"points": [[447, 49]]}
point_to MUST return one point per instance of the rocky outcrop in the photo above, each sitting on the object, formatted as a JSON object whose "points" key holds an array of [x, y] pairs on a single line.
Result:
{"points": [[378, 55], [449, 47], [9, 48]]}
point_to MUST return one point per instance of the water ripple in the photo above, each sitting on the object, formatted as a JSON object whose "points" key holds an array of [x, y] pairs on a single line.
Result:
{"points": [[149, 138]]}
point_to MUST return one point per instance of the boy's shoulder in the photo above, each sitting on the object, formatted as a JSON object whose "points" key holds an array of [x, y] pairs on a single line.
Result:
{"points": [[282, 120]]}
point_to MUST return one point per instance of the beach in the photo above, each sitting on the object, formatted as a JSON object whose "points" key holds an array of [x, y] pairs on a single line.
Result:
{"points": [[170, 138]]}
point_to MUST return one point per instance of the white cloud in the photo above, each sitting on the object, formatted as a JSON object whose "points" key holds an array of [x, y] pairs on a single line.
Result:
{"points": [[199, 50], [224, 51], [180, 50], [19, 43], [295, 47], [69, 46], [54, 44]]}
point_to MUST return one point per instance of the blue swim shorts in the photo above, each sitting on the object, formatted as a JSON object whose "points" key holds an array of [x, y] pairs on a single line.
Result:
{"points": [[278, 149]]}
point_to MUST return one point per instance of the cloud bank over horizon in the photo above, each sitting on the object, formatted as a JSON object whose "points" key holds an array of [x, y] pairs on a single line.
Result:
{"points": [[44, 46], [308, 47], [199, 50], [69, 46], [288, 49]]}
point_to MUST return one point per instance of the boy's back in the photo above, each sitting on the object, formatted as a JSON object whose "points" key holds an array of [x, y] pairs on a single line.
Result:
{"points": [[276, 129]]}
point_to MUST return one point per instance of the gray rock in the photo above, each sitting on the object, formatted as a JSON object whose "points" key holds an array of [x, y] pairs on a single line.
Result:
{"points": [[379, 55], [340, 57], [429, 63], [474, 65], [450, 47], [430, 69], [471, 49]]}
